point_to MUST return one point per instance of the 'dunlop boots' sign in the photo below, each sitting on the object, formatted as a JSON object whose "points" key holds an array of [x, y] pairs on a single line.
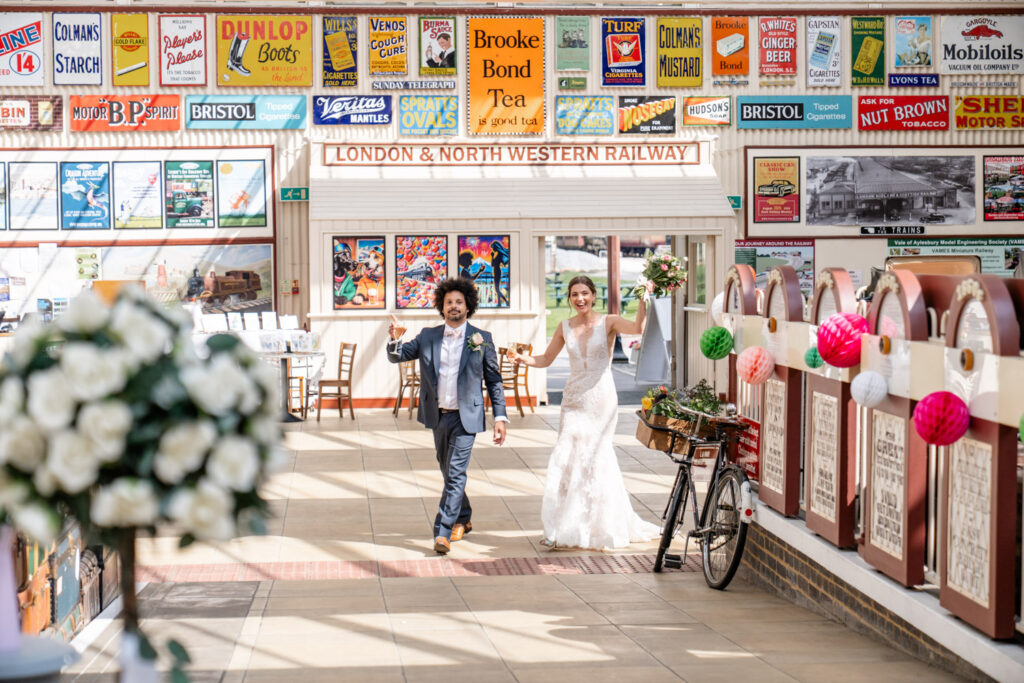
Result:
{"points": [[264, 50], [506, 75]]}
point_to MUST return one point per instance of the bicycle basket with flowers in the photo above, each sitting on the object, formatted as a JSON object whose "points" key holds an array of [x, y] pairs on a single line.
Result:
{"points": [[674, 409]]}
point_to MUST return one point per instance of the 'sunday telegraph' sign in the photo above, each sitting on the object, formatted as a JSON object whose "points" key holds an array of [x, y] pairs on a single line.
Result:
{"points": [[21, 48], [105, 113], [77, 49], [251, 112], [352, 110], [513, 154], [903, 112], [795, 111], [983, 44]]}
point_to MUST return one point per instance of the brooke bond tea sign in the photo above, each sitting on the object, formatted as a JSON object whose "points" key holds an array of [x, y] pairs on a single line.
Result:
{"points": [[505, 92], [77, 49], [21, 48], [182, 49], [777, 46], [985, 44], [105, 113], [264, 50], [730, 49], [903, 112], [130, 46]]}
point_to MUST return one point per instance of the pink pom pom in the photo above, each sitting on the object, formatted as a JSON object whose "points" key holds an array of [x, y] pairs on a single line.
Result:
{"points": [[754, 365], [941, 418], [839, 339]]}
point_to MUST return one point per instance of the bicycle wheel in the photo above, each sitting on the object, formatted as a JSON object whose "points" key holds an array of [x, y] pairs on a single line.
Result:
{"points": [[722, 545], [675, 510]]}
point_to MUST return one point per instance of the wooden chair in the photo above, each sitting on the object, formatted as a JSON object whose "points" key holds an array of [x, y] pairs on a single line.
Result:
{"points": [[408, 378], [514, 376], [342, 387]]}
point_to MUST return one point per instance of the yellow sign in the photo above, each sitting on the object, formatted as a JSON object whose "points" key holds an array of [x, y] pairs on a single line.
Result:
{"points": [[680, 44], [505, 91], [264, 50], [130, 44], [989, 112], [389, 46]]}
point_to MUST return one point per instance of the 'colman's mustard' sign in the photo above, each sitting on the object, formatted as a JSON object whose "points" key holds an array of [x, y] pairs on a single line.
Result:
{"points": [[506, 75], [264, 50]]}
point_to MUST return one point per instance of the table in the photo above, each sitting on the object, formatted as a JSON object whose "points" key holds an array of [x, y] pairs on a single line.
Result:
{"points": [[284, 360]]}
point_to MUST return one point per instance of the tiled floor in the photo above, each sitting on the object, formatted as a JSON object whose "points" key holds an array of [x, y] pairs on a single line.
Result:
{"points": [[345, 586]]}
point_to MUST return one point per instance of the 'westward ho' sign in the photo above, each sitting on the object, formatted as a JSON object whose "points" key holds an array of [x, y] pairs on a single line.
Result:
{"points": [[525, 154]]}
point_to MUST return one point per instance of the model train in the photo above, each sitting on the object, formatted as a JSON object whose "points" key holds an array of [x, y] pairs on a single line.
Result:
{"points": [[240, 284]]}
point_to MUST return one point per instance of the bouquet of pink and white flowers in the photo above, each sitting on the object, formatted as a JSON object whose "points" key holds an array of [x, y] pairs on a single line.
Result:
{"points": [[111, 415], [663, 272]]}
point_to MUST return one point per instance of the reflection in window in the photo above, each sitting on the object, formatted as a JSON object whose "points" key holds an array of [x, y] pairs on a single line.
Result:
{"points": [[699, 273], [973, 331]]}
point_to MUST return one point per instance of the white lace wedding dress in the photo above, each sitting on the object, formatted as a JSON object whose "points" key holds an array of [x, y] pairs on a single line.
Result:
{"points": [[585, 500]]}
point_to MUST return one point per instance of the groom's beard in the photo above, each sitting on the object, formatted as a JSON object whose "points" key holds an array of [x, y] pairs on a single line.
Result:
{"points": [[457, 317]]}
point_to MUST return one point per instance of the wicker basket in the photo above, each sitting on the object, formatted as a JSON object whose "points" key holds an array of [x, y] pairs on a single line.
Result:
{"points": [[660, 440]]}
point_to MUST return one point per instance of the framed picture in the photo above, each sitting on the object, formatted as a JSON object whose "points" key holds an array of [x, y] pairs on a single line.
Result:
{"points": [[487, 260], [421, 262], [34, 189], [358, 266]]}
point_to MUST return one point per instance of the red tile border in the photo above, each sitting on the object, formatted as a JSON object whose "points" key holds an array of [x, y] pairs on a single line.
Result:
{"points": [[424, 568]]}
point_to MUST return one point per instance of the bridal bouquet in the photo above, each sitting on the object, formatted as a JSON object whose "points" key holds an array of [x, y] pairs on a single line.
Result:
{"points": [[111, 415], [663, 271]]}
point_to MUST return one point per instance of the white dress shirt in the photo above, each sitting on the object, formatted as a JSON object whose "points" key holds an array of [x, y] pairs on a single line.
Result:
{"points": [[448, 370]]}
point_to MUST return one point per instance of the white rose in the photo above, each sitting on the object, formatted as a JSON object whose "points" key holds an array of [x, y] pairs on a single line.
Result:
{"points": [[45, 482], [12, 399], [36, 521], [249, 397], [49, 401], [234, 463], [477, 339], [22, 444], [278, 460], [86, 314], [105, 425], [182, 449], [72, 461], [204, 511], [126, 502], [12, 492], [265, 430], [218, 386], [145, 336], [92, 373], [30, 331]]}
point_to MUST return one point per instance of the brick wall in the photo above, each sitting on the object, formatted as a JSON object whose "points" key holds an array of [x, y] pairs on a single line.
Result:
{"points": [[780, 568]]}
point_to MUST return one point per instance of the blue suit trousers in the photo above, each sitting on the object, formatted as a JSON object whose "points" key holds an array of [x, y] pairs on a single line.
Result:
{"points": [[454, 446]]}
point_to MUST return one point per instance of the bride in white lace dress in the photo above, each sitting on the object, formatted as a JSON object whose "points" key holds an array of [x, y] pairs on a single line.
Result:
{"points": [[586, 504]]}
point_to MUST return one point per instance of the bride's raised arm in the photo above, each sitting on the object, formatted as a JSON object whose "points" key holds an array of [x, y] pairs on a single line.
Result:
{"points": [[546, 358], [619, 325]]}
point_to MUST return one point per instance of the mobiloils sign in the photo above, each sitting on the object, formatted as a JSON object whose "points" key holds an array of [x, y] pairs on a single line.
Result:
{"points": [[251, 112], [983, 44], [795, 111], [352, 110]]}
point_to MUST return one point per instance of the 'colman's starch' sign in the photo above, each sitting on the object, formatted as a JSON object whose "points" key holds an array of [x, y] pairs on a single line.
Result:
{"points": [[986, 44]]}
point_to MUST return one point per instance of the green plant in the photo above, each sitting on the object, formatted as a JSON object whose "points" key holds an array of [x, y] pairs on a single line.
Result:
{"points": [[702, 398]]}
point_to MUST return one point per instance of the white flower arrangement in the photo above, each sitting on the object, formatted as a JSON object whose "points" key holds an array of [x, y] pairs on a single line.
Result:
{"points": [[112, 416]]}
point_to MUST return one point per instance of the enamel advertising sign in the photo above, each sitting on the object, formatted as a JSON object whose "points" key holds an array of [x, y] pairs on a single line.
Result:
{"points": [[352, 110], [680, 61], [584, 115], [388, 46], [867, 38], [130, 47], [437, 46], [777, 46], [32, 112], [264, 50], [903, 112], [824, 52], [428, 115], [730, 51], [995, 112], [182, 49], [647, 115], [340, 52], [622, 51], [505, 90], [108, 113], [707, 111], [21, 48], [984, 45], [77, 49]]}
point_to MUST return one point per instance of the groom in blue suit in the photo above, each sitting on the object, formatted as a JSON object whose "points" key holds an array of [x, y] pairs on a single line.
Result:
{"points": [[455, 360]]}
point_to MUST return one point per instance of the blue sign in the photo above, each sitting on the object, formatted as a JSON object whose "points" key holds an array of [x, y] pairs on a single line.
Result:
{"points": [[584, 115], [428, 115], [340, 52], [352, 110], [913, 80], [794, 111], [622, 51], [84, 195], [251, 112]]}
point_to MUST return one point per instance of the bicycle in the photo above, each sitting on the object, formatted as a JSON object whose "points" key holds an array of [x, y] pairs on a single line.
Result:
{"points": [[721, 526]]}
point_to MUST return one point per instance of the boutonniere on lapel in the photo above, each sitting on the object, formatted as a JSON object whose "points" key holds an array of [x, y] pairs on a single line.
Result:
{"points": [[476, 342]]}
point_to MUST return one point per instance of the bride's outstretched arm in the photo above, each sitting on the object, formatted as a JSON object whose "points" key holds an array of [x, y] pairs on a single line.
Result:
{"points": [[543, 360], [619, 325]]}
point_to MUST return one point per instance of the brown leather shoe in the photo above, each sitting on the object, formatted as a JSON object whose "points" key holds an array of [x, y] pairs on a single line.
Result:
{"points": [[441, 545], [460, 530]]}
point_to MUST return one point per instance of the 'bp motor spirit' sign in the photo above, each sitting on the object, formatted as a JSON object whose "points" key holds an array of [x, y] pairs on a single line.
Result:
{"points": [[106, 113], [352, 110], [986, 44], [903, 112], [795, 111]]}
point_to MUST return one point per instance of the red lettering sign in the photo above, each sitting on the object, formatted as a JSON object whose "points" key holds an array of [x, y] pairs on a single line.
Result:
{"points": [[903, 112]]}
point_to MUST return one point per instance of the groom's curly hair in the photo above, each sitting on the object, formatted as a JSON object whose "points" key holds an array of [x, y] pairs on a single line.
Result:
{"points": [[457, 284]]}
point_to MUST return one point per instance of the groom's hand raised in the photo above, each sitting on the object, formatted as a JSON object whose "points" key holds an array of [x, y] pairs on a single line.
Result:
{"points": [[395, 329]]}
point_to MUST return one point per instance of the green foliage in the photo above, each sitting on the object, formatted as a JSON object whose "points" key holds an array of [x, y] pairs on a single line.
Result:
{"points": [[674, 403]]}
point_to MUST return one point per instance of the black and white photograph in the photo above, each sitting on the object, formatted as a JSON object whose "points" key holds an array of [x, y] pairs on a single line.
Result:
{"points": [[893, 190]]}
